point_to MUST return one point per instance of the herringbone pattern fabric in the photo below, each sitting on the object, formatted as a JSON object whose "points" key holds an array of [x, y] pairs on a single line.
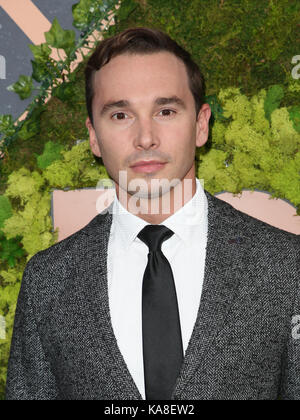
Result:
{"points": [[242, 346]]}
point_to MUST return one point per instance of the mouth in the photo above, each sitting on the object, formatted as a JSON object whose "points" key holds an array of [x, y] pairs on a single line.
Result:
{"points": [[148, 166]]}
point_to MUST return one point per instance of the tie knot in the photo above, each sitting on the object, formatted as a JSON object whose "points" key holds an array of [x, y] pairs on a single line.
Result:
{"points": [[154, 236]]}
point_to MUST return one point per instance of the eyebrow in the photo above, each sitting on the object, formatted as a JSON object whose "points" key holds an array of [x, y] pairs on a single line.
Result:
{"points": [[173, 100]]}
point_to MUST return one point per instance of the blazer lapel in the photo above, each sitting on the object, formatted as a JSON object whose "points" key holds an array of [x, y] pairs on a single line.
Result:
{"points": [[221, 280], [95, 288]]}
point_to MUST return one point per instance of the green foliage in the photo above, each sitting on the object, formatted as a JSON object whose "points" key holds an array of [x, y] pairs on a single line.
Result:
{"points": [[38, 71], [243, 43], [60, 38], [41, 52], [52, 152], [5, 209], [287, 180], [274, 97], [29, 129], [30, 191], [215, 107], [249, 152], [23, 184], [82, 13], [23, 87], [128, 6], [294, 86], [294, 112], [10, 281], [6, 124], [61, 122], [44, 67], [10, 250], [64, 92], [77, 167], [42, 64], [87, 12]]}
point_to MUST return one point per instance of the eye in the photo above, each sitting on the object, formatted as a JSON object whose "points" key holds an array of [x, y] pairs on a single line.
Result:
{"points": [[119, 116], [167, 112]]}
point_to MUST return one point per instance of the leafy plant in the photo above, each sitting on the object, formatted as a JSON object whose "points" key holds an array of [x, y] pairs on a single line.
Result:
{"points": [[31, 127], [273, 99], [60, 38], [5, 210], [83, 13], [55, 76], [52, 152], [294, 112], [243, 43], [251, 151], [23, 87], [6, 125], [216, 109], [10, 281], [10, 250]]}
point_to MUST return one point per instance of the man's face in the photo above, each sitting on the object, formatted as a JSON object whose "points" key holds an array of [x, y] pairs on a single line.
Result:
{"points": [[143, 110]]}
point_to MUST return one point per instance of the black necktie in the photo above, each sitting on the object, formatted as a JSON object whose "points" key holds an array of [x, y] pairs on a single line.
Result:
{"points": [[162, 341]]}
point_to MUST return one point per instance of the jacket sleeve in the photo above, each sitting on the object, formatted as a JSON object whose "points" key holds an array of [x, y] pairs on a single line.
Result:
{"points": [[290, 385], [29, 376]]}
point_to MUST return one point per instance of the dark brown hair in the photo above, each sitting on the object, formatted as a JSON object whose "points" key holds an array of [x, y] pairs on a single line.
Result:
{"points": [[142, 41]]}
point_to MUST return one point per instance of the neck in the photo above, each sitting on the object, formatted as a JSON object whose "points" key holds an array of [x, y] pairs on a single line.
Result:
{"points": [[156, 210]]}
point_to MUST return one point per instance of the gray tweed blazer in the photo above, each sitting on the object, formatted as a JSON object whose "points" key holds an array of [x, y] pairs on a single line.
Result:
{"points": [[242, 346]]}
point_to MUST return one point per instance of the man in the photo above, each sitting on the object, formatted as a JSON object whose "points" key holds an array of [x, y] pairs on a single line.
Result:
{"points": [[170, 293]]}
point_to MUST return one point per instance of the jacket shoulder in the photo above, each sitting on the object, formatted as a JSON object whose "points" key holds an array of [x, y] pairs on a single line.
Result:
{"points": [[49, 271], [270, 256], [67, 251], [249, 225]]}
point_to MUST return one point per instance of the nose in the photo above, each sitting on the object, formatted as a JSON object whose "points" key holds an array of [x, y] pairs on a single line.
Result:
{"points": [[146, 136]]}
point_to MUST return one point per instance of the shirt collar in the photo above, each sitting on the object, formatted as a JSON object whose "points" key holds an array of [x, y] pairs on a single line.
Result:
{"points": [[181, 223]]}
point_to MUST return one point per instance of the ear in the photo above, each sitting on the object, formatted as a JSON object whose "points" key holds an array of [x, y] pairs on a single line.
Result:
{"points": [[93, 138], [203, 125]]}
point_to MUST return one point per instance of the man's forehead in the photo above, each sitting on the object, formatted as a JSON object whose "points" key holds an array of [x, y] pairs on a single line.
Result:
{"points": [[137, 82], [132, 69], [164, 58]]}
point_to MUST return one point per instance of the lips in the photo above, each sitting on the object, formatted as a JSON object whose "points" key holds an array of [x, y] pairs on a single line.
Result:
{"points": [[148, 166], [147, 162]]}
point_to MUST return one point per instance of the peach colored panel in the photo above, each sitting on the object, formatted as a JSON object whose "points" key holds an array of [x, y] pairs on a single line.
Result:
{"points": [[73, 210], [28, 17], [260, 205]]}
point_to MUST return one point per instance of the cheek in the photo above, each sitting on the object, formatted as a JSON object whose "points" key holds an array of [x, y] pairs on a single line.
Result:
{"points": [[180, 139], [116, 150]]}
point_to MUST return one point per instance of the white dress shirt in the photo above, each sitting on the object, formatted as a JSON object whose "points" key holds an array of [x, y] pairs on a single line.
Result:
{"points": [[127, 260]]}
